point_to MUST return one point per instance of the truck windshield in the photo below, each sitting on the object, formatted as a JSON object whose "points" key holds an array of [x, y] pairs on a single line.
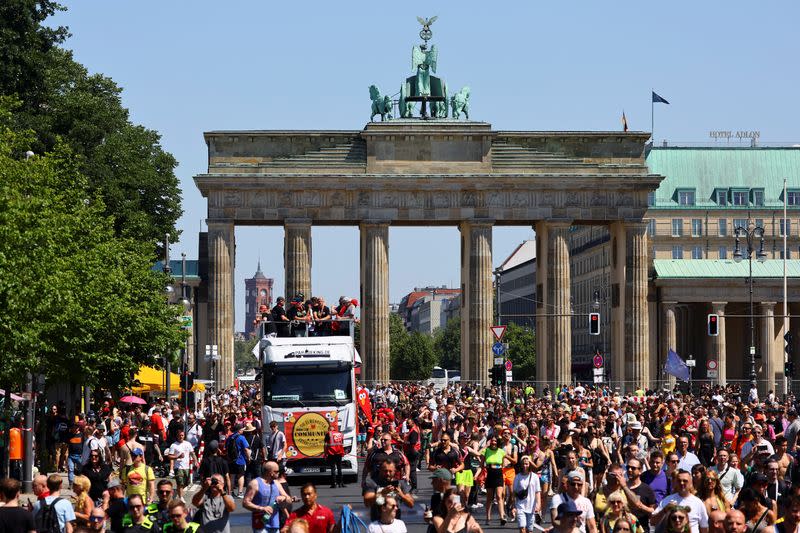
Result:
{"points": [[438, 373], [307, 387]]}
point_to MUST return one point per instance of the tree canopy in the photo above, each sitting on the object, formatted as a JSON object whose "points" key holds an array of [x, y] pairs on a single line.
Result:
{"points": [[77, 302], [124, 163], [411, 355]]}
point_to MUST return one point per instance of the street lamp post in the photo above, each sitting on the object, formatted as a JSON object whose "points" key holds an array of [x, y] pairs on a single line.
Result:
{"points": [[187, 305], [168, 290], [752, 236]]}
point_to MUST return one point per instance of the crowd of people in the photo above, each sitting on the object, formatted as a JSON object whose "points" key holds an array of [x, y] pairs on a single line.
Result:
{"points": [[575, 459]]}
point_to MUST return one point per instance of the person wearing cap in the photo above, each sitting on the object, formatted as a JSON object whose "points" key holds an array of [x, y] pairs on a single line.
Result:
{"points": [[213, 463], [567, 518], [441, 482], [140, 479], [182, 452], [252, 435], [575, 481], [238, 454], [683, 497], [279, 318], [115, 504]]}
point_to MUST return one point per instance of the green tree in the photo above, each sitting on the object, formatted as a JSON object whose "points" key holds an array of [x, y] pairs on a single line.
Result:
{"points": [[447, 344], [415, 358], [243, 354], [522, 351], [124, 163], [77, 302]]}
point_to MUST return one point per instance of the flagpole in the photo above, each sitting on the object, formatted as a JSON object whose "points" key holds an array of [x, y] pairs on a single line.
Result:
{"points": [[652, 129]]}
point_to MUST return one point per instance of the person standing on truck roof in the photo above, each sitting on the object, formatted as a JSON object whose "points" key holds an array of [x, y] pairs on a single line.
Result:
{"points": [[299, 316], [279, 317]]}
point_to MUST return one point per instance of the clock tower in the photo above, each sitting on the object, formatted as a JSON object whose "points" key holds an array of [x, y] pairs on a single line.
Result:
{"points": [[258, 292]]}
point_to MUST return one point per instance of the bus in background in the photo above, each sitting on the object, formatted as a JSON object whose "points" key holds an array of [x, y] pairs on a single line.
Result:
{"points": [[309, 384]]}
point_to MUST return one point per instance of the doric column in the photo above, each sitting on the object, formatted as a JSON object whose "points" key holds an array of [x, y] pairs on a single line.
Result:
{"points": [[297, 257], [670, 337], [767, 339], [637, 323], [616, 366], [375, 301], [558, 295], [476, 300], [220, 297], [719, 347], [543, 373]]}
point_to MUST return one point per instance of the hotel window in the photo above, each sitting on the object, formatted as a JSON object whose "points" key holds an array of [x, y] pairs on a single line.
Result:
{"points": [[793, 198], [722, 227], [788, 223], [723, 252], [760, 224], [677, 227], [788, 253], [651, 227], [739, 198], [686, 197], [758, 196], [651, 199], [697, 227], [739, 223], [697, 252], [722, 196], [677, 251]]}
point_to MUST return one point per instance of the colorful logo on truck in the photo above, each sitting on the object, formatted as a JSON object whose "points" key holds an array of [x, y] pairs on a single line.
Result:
{"points": [[306, 431]]}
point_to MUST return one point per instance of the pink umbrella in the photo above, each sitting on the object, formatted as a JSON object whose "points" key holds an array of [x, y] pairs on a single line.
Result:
{"points": [[132, 399]]}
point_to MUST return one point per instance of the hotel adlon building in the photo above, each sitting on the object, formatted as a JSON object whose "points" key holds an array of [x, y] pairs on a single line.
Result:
{"points": [[692, 219]]}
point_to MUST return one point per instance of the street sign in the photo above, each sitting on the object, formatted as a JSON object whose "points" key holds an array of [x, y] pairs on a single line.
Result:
{"points": [[599, 379], [498, 349], [509, 375], [711, 364], [597, 371], [712, 374], [498, 360], [186, 322], [498, 332], [690, 363], [597, 361], [508, 365]]}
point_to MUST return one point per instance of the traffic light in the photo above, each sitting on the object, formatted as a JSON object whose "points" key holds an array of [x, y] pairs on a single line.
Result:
{"points": [[594, 323], [713, 325], [498, 375]]}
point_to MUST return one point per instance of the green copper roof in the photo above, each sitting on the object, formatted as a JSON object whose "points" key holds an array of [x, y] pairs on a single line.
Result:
{"points": [[707, 169], [724, 268]]}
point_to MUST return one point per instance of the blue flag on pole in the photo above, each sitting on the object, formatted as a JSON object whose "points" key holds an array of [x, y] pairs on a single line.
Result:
{"points": [[675, 366], [659, 99]]}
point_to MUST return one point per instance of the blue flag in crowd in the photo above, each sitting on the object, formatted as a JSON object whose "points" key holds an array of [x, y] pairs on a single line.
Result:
{"points": [[659, 99], [675, 366]]}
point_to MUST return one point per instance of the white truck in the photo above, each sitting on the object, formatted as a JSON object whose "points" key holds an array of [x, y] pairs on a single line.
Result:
{"points": [[309, 384]]}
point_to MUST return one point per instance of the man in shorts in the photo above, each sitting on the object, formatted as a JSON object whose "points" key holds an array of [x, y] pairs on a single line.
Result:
{"points": [[182, 452]]}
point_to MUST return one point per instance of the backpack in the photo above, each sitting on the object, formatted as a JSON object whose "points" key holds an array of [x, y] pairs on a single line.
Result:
{"points": [[232, 448], [46, 519]]}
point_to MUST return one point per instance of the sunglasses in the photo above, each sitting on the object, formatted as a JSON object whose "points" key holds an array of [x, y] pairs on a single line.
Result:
{"points": [[97, 518]]}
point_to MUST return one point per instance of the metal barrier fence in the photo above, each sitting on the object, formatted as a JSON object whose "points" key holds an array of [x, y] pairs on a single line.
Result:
{"points": [[623, 387]]}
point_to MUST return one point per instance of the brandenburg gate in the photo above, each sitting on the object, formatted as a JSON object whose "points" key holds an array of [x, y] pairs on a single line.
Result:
{"points": [[434, 170], [415, 172]]}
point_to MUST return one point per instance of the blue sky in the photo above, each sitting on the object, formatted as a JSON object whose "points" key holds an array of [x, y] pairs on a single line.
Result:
{"points": [[193, 66]]}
